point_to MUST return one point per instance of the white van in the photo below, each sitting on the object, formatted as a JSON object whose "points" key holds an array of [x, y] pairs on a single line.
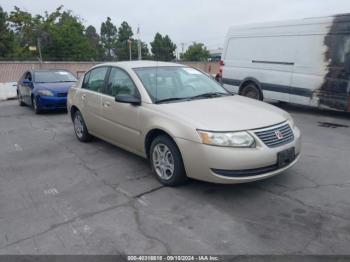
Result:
{"points": [[303, 61]]}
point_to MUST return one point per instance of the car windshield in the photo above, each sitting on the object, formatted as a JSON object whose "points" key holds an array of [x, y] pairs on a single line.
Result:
{"points": [[169, 84], [53, 76]]}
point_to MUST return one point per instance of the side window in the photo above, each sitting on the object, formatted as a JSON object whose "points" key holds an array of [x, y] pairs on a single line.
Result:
{"points": [[96, 79], [23, 76], [28, 76], [86, 79], [119, 83]]}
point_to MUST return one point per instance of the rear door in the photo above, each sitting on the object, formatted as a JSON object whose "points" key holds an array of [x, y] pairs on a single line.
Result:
{"points": [[90, 96], [309, 68], [121, 120]]}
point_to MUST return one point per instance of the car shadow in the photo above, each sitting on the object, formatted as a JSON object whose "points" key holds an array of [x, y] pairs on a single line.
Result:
{"points": [[47, 112], [294, 108]]}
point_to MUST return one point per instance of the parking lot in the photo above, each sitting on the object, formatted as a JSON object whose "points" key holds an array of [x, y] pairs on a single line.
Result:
{"points": [[60, 196]]}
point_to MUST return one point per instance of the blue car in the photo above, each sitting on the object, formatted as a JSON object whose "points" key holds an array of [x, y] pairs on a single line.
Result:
{"points": [[45, 89]]}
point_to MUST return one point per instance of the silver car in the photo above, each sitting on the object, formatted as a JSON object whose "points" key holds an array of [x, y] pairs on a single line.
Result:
{"points": [[184, 122]]}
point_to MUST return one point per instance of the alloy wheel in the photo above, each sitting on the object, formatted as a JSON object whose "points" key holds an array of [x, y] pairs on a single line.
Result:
{"points": [[163, 161], [19, 97], [35, 106], [78, 126]]}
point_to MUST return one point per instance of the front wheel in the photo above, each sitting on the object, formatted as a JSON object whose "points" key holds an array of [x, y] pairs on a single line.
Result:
{"points": [[167, 162], [35, 106], [80, 128], [20, 100]]}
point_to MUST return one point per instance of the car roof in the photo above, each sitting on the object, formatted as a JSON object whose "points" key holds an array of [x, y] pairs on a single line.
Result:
{"points": [[49, 70], [139, 64]]}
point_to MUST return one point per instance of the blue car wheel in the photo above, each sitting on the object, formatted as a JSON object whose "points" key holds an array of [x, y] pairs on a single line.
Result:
{"points": [[19, 97], [35, 106]]}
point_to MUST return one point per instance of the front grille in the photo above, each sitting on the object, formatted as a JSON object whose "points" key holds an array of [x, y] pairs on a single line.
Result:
{"points": [[62, 94], [276, 135]]}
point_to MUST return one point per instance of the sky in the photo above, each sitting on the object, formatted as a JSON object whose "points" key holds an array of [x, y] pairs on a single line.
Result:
{"points": [[185, 21]]}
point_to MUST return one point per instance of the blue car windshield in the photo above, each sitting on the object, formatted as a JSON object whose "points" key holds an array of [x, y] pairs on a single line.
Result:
{"points": [[171, 84], [53, 77]]}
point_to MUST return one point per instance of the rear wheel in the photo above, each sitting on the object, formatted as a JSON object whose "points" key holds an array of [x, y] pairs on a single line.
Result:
{"points": [[35, 106], [252, 91], [166, 161], [20, 100], [80, 128]]}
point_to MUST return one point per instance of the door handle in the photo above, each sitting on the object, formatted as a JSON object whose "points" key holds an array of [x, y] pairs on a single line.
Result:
{"points": [[83, 96], [106, 104]]}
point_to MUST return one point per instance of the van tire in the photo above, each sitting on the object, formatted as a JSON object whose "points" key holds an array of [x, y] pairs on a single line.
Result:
{"points": [[252, 91]]}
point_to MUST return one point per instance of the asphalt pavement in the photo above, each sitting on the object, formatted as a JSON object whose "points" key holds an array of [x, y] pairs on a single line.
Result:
{"points": [[60, 196]]}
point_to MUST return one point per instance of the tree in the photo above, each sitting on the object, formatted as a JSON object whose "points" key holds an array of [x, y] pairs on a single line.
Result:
{"points": [[196, 52], [145, 52], [61, 35], [94, 41], [67, 40], [109, 38], [24, 26], [163, 48], [122, 47], [6, 37]]}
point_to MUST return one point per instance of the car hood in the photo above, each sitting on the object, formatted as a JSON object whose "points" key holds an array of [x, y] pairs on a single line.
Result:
{"points": [[231, 113], [55, 87]]}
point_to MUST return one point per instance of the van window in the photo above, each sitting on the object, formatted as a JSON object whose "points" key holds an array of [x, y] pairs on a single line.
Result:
{"points": [[269, 48], [339, 51]]}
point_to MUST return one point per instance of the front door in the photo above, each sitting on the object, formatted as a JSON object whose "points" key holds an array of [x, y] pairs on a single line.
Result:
{"points": [[121, 120], [25, 87]]}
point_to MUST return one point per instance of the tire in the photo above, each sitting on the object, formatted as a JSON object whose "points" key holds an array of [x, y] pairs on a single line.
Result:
{"points": [[35, 106], [20, 101], [252, 91], [166, 161], [80, 128]]}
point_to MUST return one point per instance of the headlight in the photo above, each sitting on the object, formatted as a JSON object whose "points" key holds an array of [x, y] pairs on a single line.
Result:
{"points": [[45, 92], [230, 139]]}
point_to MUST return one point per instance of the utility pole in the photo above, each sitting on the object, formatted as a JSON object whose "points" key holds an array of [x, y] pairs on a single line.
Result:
{"points": [[182, 47], [182, 50], [139, 43], [39, 48], [129, 42]]}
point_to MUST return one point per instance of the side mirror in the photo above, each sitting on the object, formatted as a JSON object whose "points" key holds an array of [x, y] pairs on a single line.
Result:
{"points": [[26, 82], [128, 99]]}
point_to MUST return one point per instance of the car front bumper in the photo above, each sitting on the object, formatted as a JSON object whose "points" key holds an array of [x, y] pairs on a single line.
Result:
{"points": [[51, 102], [227, 165]]}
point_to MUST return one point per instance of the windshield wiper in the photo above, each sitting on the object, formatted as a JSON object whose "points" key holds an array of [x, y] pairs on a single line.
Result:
{"points": [[170, 99], [209, 95]]}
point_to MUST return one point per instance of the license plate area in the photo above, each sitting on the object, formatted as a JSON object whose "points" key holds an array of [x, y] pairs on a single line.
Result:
{"points": [[285, 157]]}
